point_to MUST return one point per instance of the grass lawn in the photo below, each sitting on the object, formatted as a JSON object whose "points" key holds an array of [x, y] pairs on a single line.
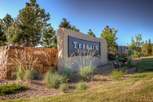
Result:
{"points": [[134, 88]]}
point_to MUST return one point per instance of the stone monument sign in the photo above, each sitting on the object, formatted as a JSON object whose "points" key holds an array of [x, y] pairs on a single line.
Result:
{"points": [[76, 49]]}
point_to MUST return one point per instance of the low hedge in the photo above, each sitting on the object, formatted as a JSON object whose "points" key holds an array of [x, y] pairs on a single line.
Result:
{"points": [[6, 89]]}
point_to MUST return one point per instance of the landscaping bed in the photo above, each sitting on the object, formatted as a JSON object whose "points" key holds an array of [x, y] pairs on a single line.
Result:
{"points": [[90, 85], [131, 88], [35, 89]]}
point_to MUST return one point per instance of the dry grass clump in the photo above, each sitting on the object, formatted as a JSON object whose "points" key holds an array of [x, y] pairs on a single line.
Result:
{"points": [[53, 79], [81, 86], [87, 73]]}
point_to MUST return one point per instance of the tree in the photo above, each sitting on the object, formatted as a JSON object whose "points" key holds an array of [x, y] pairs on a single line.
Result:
{"points": [[91, 33], [147, 48], [66, 24], [14, 34], [136, 45], [49, 38], [75, 29], [32, 20], [5, 23], [2, 36], [109, 34], [150, 48]]}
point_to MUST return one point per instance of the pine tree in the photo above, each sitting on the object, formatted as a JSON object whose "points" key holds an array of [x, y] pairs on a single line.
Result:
{"points": [[75, 29], [2, 36], [32, 20], [91, 33], [49, 39], [5, 23], [66, 24], [14, 34]]}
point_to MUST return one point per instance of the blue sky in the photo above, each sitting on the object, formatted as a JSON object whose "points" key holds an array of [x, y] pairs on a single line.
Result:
{"points": [[129, 17]]}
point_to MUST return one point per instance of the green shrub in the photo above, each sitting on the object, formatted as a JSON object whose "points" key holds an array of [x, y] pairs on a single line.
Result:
{"points": [[27, 74], [36, 75], [11, 88], [53, 80], [64, 87], [129, 63], [117, 74], [86, 73], [67, 74], [19, 73], [122, 58], [81, 86], [145, 65]]}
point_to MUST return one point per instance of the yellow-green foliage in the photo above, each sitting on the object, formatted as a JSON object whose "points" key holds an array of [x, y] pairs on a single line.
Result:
{"points": [[28, 75], [117, 74], [81, 86], [19, 73], [64, 87], [53, 79], [86, 72]]}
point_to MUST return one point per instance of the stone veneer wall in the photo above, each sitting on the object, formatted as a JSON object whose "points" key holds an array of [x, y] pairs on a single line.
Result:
{"points": [[77, 61], [40, 58]]}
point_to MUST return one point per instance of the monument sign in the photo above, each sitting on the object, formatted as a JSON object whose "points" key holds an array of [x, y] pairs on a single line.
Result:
{"points": [[78, 47], [74, 48]]}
